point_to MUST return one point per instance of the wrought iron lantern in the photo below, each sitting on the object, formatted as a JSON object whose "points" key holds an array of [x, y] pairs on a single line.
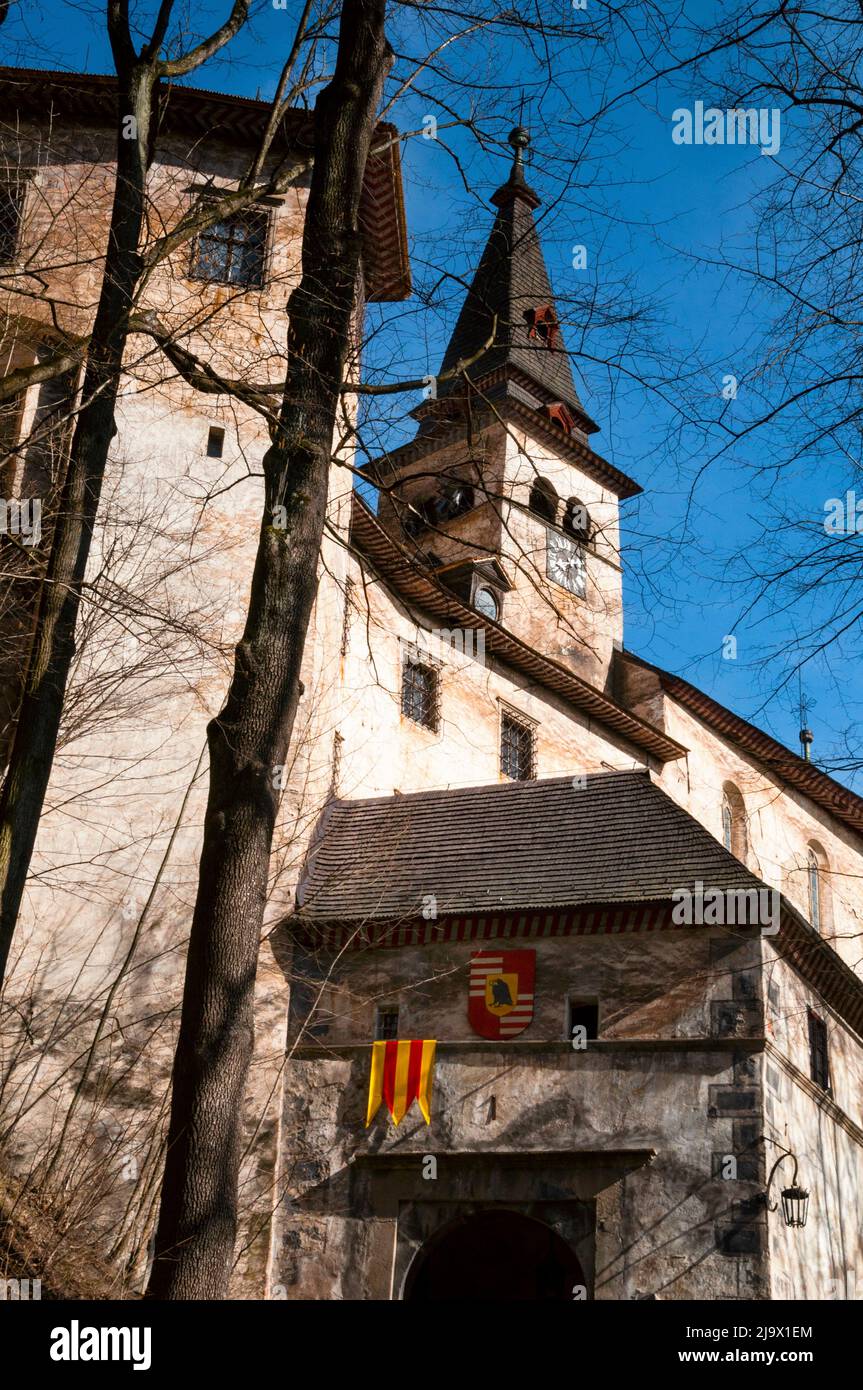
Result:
{"points": [[795, 1205], [795, 1199]]}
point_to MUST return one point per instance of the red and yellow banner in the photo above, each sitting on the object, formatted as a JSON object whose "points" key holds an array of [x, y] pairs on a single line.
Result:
{"points": [[401, 1074]]}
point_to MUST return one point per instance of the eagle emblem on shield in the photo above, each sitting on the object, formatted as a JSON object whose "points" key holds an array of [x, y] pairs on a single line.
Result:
{"points": [[500, 998]]}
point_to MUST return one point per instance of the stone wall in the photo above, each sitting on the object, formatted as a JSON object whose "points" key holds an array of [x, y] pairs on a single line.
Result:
{"points": [[780, 824], [116, 858], [825, 1131], [620, 1147]]}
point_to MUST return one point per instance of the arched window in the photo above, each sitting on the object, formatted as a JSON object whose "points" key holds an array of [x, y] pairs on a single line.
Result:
{"points": [[818, 897], [576, 519], [454, 501], [543, 499], [734, 834], [816, 888]]}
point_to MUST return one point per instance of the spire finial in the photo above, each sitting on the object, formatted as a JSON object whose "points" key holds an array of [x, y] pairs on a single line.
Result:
{"points": [[807, 738], [515, 186], [519, 139]]}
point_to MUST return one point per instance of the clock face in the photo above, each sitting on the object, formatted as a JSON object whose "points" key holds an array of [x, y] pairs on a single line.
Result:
{"points": [[485, 603], [564, 563]]}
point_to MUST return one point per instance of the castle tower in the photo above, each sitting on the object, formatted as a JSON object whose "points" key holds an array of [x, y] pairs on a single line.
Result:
{"points": [[500, 492]]}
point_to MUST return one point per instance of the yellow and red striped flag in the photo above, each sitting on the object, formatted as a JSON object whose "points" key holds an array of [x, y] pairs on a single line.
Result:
{"points": [[401, 1074]]}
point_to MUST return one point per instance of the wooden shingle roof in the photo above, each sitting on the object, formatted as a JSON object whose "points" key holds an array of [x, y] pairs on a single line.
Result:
{"points": [[510, 283], [617, 839], [511, 846]]}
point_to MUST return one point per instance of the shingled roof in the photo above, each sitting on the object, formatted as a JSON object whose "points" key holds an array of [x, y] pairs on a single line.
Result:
{"points": [[510, 281], [510, 846], [615, 842]]}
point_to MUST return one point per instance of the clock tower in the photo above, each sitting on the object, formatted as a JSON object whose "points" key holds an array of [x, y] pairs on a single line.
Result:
{"points": [[500, 494]]}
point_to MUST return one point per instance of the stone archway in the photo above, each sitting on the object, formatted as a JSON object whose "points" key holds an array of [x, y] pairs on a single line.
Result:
{"points": [[496, 1255]]}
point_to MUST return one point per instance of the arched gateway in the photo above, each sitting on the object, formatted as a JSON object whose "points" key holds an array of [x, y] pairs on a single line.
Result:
{"points": [[495, 1255]]}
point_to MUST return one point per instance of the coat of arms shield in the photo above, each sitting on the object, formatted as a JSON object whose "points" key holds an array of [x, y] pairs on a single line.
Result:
{"points": [[500, 998]]}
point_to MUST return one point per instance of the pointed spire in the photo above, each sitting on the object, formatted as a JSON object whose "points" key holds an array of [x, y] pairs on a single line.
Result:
{"points": [[508, 323]]}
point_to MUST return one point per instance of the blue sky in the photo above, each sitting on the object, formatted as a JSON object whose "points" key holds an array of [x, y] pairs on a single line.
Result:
{"points": [[655, 218]]}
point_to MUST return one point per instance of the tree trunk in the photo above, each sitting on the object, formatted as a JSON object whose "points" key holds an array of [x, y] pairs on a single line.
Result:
{"points": [[250, 737], [35, 740]]}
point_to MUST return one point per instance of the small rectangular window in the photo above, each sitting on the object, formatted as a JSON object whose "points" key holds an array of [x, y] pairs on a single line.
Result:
{"points": [[11, 208], [516, 748], [215, 442], [582, 1013], [233, 251], [387, 1024], [420, 693], [819, 1065]]}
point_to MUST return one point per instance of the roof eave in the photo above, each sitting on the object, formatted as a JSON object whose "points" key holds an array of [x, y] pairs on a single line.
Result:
{"points": [[585, 458], [788, 766], [421, 588]]}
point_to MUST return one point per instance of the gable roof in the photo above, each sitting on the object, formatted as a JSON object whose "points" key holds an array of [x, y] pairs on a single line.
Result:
{"points": [[90, 98], [510, 846], [519, 847]]}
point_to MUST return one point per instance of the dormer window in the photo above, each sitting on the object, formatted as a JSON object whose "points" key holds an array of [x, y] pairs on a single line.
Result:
{"points": [[562, 416], [542, 325], [480, 584], [486, 602]]}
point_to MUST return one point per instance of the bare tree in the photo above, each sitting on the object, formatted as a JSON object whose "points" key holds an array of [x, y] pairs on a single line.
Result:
{"points": [[126, 270], [197, 1222], [789, 429]]}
